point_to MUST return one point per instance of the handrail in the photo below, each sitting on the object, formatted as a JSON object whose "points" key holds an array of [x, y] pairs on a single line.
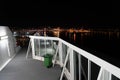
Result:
{"points": [[42, 37], [100, 62]]}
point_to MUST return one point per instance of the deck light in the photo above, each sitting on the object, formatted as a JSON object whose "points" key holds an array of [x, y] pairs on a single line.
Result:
{"points": [[3, 37]]}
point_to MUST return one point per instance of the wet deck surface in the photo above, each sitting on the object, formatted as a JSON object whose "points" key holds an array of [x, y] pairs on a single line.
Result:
{"points": [[20, 68]]}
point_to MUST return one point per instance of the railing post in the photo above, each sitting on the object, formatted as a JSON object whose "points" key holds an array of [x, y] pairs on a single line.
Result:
{"points": [[72, 65], [28, 50], [39, 46], [79, 58], [60, 53], [64, 65], [8, 48], [55, 57], [106, 75], [45, 45], [89, 70], [110, 76], [33, 47]]}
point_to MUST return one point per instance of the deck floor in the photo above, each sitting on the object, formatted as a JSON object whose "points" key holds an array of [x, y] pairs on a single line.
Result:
{"points": [[20, 68]]}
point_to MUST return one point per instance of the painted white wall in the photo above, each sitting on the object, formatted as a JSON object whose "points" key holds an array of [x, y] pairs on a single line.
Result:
{"points": [[7, 46]]}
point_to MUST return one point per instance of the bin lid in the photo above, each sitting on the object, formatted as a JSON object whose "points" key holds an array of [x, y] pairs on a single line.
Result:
{"points": [[47, 55]]}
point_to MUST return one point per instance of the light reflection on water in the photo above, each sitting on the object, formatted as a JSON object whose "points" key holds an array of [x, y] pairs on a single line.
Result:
{"points": [[102, 44], [108, 35]]}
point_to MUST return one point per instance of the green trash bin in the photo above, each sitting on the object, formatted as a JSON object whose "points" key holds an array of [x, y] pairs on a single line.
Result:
{"points": [[48, 60]]}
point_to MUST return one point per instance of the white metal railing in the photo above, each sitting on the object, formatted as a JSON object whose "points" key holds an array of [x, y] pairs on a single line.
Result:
{"points": [[106, 69]]}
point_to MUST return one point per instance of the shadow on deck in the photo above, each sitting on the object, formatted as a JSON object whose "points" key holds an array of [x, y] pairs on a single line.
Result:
{"points": [[21, 68]]}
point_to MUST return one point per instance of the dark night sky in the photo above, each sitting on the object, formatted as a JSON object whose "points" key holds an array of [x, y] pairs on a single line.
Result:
{"points": [[96, 13]]}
